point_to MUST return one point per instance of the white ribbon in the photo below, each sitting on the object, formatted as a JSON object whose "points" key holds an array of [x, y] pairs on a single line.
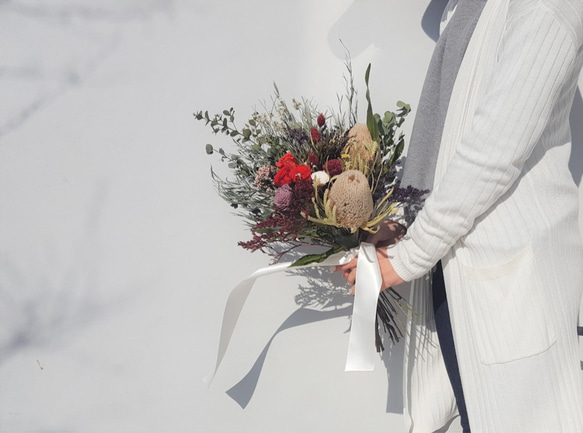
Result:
{"points": [[361, 344]]}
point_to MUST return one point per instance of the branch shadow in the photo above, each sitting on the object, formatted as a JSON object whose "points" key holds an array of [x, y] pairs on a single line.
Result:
{"points": [[42, 308], [91, 25]]}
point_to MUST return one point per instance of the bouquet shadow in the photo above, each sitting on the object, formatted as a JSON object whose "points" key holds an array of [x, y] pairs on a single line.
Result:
{"points": [[322, 296]]}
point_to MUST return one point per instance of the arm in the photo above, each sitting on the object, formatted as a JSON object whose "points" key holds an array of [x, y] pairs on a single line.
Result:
{"points": [[538, 55]]}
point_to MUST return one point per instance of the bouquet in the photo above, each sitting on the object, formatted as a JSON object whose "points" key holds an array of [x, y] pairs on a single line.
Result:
{"points": [[302, 177]]}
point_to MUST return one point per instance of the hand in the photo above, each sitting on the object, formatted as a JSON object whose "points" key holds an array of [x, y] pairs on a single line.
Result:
{"points": [[389, 233], [388, 275]]}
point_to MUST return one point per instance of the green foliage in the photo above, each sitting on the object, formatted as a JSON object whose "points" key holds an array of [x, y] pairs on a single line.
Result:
{"points": [[316, 258], [385, 130]]}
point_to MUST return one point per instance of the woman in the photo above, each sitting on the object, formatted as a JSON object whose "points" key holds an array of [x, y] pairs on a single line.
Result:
{"points": [[502, 221]]}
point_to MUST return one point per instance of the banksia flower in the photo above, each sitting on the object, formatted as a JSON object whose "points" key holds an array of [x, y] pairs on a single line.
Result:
{"points": [[360, 133], [362, 151], [351, 199]]}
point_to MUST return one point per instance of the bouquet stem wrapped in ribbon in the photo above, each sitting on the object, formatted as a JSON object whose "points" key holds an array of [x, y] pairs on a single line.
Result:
{"points": [[306, 178]]}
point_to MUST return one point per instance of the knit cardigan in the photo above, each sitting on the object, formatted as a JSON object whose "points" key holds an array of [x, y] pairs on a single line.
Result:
{"points": [[502, 217]]}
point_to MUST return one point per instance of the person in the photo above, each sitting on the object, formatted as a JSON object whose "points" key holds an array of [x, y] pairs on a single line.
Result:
{"points": [[497, 239]]}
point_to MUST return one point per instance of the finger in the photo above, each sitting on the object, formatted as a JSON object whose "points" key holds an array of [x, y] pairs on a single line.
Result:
{"points": [[351, 277]]}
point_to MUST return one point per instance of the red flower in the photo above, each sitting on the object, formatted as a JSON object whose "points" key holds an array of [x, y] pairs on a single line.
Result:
{"points": [[283, 177], [287, 160], [315, 134], [290, 171], [321, 120], [301, 172]]}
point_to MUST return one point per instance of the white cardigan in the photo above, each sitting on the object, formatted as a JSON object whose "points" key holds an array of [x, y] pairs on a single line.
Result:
{"points": [[502, 217]]}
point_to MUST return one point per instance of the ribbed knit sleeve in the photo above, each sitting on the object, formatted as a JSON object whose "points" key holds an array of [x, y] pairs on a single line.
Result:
{"points": [[538, 53]]}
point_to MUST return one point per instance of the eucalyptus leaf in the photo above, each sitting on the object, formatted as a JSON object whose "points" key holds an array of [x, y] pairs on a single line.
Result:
{"points": [[316, 258], [389, 118], [209, 149]]}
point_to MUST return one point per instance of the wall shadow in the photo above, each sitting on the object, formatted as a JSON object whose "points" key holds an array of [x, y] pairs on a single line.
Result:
{"points": [[432, 18], [576, 118], [366, 23]]}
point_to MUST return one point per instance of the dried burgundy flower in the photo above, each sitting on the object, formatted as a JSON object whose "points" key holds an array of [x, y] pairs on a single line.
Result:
{"points": [[303, 193], [333, 167], [313, 159], [321, 120], [315, 134]]}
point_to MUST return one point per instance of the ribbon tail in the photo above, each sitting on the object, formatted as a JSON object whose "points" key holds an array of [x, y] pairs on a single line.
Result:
{"points": [[233, 308], [361, 344]]}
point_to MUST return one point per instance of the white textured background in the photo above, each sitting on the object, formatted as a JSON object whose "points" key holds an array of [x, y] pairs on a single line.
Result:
{"points": [[116, 254]]}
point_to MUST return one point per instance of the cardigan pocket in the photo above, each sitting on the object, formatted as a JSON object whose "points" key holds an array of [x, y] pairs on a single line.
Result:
{"points": [[506, 310]]}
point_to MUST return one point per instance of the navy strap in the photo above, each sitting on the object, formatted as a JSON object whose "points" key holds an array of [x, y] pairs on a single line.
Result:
{"points": [[580, 330]]}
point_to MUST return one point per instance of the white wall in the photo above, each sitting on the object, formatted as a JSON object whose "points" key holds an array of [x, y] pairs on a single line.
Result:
{"points": [[116, 254]]}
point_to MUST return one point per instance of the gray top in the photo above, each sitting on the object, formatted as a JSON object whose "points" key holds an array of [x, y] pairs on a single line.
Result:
{"points": [[419, 169]]}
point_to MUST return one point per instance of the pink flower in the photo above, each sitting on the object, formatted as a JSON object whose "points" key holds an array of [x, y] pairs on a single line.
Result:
{"points": [[263, 177], [283, 198]]}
